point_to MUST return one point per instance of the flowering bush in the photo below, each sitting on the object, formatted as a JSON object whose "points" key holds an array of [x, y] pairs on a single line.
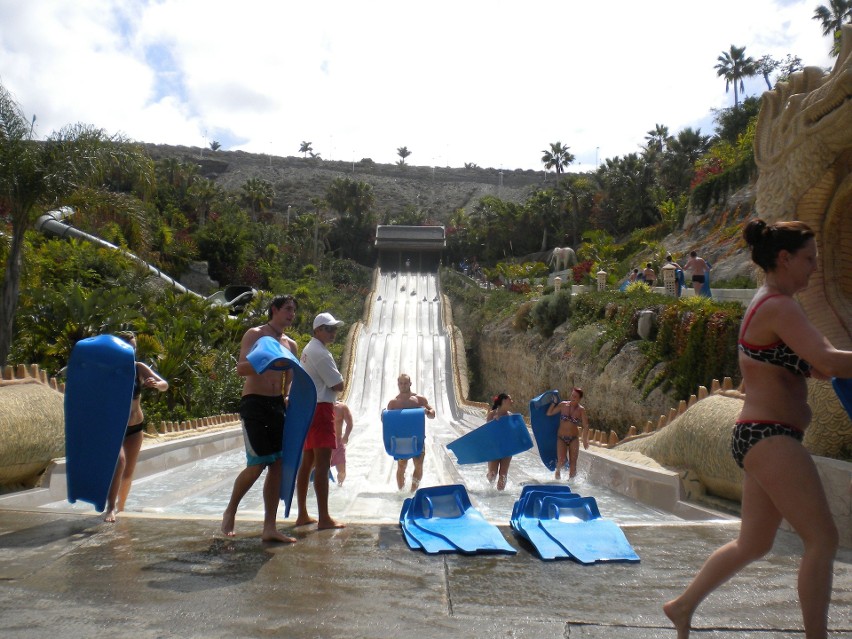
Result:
{"points": [[581, 271]]}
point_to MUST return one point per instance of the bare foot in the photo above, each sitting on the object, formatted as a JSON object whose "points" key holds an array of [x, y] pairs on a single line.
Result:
{"points": [[304, 520], [228, 525], [501, 483], [274, 535], [558, 474], [330, 523], [679, 618], [490, 476], [109, 515]]}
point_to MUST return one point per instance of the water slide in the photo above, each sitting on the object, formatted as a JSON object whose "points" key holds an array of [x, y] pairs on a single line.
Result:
{"points": [[53, 223], [403, 332]]}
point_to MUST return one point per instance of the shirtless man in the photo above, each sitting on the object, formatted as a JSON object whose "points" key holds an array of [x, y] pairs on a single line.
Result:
{"points": [[409, 399], [698, 267], [342, 415], [650, 275], [262, 412]]}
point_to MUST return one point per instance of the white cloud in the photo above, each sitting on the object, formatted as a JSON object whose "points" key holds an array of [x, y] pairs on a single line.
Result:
{"points": [[487, 82]]}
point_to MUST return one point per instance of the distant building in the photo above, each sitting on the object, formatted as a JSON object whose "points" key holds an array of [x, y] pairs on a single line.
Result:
{"points": [[421, 246]]}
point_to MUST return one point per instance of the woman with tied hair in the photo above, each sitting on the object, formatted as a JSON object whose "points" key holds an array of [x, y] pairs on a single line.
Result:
{"points": [[572, 415], [499, 468], [778, 349], [124, 469]]}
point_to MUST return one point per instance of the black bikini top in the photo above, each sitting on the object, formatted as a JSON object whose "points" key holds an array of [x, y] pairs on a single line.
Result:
{"points": [[778, 353]]}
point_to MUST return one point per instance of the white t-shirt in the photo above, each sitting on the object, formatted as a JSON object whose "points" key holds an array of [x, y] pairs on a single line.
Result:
{"points": [[319, 365]]}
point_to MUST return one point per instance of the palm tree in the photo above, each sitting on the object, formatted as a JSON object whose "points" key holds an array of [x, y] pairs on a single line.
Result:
{"points": [[580, 190], [258, 194], [36, 175], [215, 146], [832, 18], [558, 157], [403, 153], [734, 66], [306, 148], [657, 138]]}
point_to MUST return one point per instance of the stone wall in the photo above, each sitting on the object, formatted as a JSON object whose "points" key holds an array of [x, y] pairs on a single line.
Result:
{"points": [[525, 365]]}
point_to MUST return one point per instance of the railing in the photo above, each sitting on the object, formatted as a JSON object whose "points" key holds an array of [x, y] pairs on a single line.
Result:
{"points": [[609, 440]]}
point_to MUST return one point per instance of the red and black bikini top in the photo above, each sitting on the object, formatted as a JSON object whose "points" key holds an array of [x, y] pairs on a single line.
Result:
{"points": [[777, 353]]}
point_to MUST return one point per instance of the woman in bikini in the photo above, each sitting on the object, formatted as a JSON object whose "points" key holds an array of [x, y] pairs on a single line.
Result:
{"points": [[779, 349], [499, 468], [121, 480], [571, 415]]}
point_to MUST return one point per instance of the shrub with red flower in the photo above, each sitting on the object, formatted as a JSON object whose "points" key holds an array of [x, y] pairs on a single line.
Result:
{"points": [[706, 171], [581, 270]]}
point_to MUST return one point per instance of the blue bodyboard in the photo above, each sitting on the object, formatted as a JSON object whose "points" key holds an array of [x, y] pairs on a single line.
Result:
{"points": [[98, 395], [496, 439], [545, 428], [529, 512], [440, 515], [418, 539], [269, 354], [404, 432], [843, 388], [576, 525]]}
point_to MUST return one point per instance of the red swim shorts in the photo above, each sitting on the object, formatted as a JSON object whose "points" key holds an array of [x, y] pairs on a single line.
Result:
{"points": [[321, 432]]}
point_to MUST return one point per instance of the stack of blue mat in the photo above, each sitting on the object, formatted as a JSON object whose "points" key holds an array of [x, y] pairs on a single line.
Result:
{"points": [[441, 519], [563, 525]]}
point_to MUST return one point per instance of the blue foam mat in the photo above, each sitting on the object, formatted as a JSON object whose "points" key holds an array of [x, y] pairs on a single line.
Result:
{"points": [[441, 516], [98, 395], [843, 388], [564, 525], [545, 427], [592, 541], [404, 432], [496, 439]]}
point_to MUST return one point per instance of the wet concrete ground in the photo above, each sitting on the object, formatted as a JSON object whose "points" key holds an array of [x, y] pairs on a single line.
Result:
{"points": [[74, 576]]}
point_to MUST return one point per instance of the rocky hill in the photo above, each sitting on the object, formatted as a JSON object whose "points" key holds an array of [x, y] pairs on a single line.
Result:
{"points": [[438, 191]]}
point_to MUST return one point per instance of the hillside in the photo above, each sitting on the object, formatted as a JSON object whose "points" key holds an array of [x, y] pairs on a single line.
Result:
{"points": [[436, 190]]}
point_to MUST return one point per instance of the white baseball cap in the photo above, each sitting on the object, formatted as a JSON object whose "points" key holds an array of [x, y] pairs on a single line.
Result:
{"points": [[326, 319]]}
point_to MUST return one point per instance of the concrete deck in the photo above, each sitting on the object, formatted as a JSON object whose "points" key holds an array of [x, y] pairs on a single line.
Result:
{"points": [[74, 576]]}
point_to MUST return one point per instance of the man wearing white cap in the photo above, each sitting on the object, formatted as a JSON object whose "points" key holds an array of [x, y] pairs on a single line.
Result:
{"points": [[319, 364]]}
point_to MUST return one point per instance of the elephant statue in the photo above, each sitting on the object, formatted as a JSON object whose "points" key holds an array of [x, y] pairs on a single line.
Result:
{"points": [[562, 257]]}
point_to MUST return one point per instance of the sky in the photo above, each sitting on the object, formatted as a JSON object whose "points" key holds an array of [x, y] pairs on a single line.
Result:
{"points": [[489, 82]]}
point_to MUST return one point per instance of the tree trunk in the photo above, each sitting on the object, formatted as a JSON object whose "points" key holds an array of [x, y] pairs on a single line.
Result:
{"points": [[9, 293]]}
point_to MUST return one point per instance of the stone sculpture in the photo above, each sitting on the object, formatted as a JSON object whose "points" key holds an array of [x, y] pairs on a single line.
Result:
{"points": [[562, 257]]}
